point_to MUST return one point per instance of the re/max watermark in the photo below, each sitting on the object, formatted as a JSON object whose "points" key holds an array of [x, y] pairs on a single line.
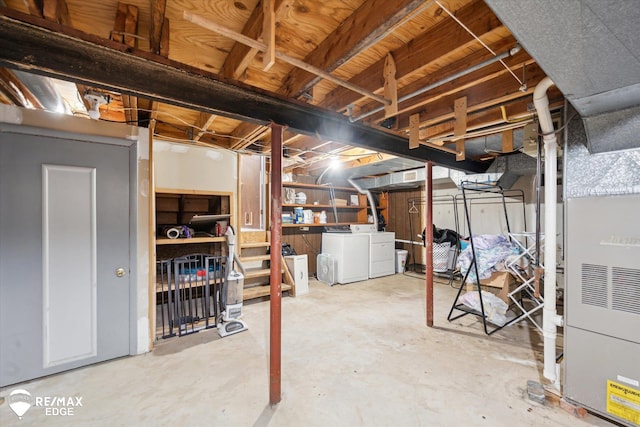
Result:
{"points": [[20, 401]]}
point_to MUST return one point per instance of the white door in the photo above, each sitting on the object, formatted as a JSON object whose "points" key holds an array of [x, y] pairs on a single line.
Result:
{"points": [[64, 255]]}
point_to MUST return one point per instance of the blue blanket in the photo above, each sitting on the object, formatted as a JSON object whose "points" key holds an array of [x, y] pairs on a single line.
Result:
{"points": [[492, 252]]}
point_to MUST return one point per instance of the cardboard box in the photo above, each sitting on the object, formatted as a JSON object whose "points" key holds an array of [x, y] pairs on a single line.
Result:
{"points": [[500, 283], [341, 202]]}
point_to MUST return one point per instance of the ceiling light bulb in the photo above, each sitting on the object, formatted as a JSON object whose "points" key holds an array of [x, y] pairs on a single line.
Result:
{"points": [[94, 113], [95, 100]]}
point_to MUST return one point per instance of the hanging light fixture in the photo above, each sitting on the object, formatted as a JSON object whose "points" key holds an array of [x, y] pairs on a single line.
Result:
{"points": [[95, 99]]}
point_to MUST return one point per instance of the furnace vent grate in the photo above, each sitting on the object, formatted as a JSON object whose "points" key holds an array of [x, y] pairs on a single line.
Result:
{"points": [[625, 289], [594, 285]]}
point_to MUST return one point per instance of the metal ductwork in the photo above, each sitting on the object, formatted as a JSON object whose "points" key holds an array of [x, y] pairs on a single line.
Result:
{"points": [[412, 178], [589, 48], [512, 167]]}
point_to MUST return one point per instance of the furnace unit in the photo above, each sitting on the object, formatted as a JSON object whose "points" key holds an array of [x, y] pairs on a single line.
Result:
{"points": [[602, 306]]}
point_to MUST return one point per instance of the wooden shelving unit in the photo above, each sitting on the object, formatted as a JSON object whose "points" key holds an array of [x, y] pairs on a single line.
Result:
{"points": [[176, 207], [347, 213], [190, 241]]}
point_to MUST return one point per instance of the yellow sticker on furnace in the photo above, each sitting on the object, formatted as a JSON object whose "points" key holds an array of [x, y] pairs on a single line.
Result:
{"points": [[623, 401]]}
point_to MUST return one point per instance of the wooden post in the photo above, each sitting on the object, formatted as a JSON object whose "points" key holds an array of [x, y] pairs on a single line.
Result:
{"points": [[428, 237], [275, 299]]}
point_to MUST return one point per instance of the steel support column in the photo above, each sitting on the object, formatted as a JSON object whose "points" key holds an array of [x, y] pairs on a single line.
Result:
{"points": [[428, 237], [275, 327]]}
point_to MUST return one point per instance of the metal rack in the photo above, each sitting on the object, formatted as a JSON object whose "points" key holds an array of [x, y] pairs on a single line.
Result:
{"points": [[527, 290], [470, 192]]}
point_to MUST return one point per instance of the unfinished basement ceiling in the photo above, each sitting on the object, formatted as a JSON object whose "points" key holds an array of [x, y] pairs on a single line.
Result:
{"points": [[452, 65]]}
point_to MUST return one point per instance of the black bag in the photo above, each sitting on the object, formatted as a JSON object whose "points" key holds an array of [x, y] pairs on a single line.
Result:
{"points": [[287, 249]]}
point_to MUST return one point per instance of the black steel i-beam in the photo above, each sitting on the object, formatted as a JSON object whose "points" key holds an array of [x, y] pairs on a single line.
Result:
{"points": [[42, 47]]}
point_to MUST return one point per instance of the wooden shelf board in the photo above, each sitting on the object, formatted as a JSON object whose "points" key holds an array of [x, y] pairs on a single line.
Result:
{"points": [[329, 224], [192, 240], [316, 186], [298, 205]]}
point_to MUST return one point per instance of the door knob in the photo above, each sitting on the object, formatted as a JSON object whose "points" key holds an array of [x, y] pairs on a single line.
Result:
{"points": [[120, 272]]}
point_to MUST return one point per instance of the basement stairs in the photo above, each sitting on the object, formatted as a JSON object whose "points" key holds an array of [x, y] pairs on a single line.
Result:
{"points": [[255, 260]]}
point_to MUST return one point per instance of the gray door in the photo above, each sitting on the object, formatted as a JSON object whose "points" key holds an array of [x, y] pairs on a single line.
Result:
{"points": [[64, 235]]}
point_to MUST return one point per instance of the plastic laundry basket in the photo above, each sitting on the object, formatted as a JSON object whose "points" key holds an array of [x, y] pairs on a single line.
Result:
{"points": [[441, 256]]}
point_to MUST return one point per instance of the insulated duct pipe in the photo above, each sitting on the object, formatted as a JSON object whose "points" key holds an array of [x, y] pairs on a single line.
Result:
{"points": [[370, 198], [452, 77], [550, 318]]}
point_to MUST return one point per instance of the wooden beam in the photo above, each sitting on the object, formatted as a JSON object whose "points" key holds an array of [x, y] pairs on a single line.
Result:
{"points": [[125, 28], [507, 141], [221, 29], [419, 52], [460, 126], [56, 11], [158, 11], [493, 92], [35, 7], [365, 27], [202, 125], [442, 81], [29, 43], [269, 34], [414, 131], [241, 55], [390, 86]]}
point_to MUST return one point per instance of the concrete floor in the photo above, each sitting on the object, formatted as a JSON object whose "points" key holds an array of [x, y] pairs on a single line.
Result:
{"points": [[352, 355]]}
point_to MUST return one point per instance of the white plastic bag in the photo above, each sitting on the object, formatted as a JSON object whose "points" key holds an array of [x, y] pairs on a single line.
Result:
{"points": [[495, 309]]}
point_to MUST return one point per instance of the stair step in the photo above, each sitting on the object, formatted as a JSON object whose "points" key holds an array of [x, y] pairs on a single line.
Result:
{"points": [[265, 257], [258, 272], [261, 291], [255, 245]]}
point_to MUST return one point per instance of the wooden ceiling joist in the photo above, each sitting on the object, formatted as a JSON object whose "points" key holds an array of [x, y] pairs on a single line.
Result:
{"points": [[456, 74], [215, 27], [241, 55], [125, 29], [359, 32], [414, 56]]}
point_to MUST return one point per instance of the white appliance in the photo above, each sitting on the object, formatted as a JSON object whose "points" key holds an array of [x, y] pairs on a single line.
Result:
{"points": [[382, 252], [351, 251], [326, 269], [382, 249], [298, 266]]}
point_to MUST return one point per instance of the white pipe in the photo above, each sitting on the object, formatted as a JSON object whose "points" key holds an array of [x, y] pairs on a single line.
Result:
{"points": [[550, 318]]}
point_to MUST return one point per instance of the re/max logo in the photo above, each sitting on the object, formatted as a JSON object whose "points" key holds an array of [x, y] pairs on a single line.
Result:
{"points": [[58, 401]]}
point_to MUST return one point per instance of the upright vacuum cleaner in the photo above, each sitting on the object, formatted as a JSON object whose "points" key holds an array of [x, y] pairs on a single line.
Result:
{"points": [[231, 294]]}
